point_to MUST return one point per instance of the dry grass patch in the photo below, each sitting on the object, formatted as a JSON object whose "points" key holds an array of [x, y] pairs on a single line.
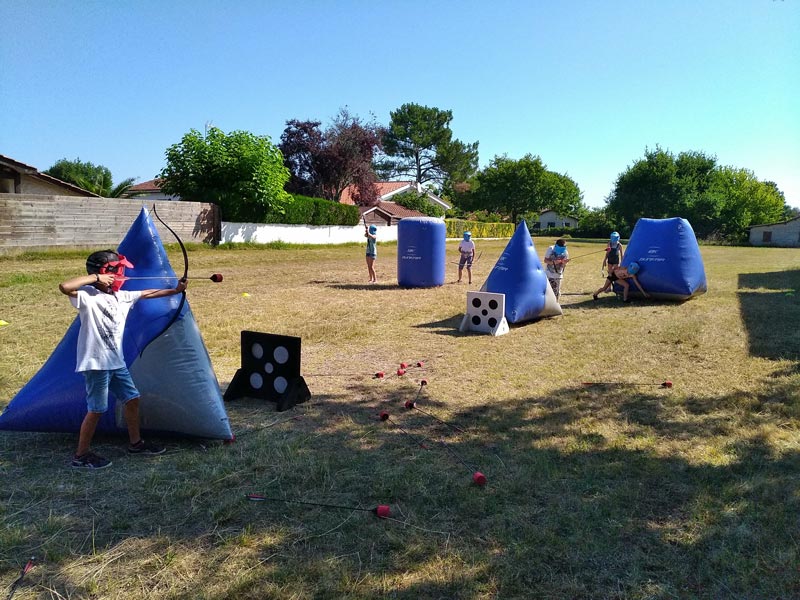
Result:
{"points": [[617, 491]]}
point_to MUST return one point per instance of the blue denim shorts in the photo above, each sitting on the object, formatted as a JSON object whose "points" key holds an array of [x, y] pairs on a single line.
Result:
{"points": [[98, 383]]}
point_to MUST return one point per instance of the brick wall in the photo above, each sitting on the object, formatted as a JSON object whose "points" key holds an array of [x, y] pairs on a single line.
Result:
{"points": [[32, 222]]}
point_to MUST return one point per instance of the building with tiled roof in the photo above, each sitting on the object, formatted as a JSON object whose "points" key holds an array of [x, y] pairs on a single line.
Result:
{"points": [[149, 190], [387, 189], [18, 178], [387, 213]]}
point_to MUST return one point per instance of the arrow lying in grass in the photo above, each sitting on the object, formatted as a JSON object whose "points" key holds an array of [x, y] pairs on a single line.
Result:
{"points": [[382, 510], [663, 384]]}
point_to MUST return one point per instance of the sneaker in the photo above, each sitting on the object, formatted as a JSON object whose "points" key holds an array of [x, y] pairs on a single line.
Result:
{"points": [[90, 460], [142, 447], [594, 296]]}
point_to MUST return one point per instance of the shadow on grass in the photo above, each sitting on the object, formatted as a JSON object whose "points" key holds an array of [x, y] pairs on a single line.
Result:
{"points": [[772, 318], [365, 286], [612, 493]]}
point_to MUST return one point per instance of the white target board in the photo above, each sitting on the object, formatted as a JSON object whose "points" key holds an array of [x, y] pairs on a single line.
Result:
{"points": [[486, 313]]}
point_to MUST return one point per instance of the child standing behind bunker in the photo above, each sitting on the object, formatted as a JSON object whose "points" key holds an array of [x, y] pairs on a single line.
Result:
{"points": [[372, 252], [556, 258], [614, 253], [103, 310], [467, 249]]}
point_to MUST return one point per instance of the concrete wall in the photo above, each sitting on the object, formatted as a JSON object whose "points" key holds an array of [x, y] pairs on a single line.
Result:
{"points": [[29, 221], [300, 234], [785, 235]]}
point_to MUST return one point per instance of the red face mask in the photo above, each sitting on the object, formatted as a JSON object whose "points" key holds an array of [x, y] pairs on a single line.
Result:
{"points": [[116, 268]]}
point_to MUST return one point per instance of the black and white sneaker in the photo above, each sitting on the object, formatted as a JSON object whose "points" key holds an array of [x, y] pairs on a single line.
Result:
{"points": [[90, 460], [142, 447]]}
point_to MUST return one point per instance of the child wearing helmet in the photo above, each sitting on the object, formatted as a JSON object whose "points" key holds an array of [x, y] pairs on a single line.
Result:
{"points": [[614, 253], [103, 309], [556, 258], [467, 249], [621, 275], [372, 252]]}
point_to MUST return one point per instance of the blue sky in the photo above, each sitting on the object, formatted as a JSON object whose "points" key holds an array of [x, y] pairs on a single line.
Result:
{"points": [[586, 85]]}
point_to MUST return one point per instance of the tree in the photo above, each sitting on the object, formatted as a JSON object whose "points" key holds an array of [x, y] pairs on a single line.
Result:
{"points": [[744, 201], [302, 144], [419, 144], [93, 178], [515, 187], [717, 201], [596, 223], [325, 163], [649, 188], [241, 172]]}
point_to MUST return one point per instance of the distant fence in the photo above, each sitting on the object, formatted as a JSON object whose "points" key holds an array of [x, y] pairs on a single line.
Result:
{"points": [[300, 234], [38, 222]]}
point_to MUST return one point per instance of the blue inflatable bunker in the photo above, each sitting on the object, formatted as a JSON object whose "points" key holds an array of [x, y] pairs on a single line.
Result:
{"points": [[670, 264], [172, 370], [519, 275], [421, 252]]}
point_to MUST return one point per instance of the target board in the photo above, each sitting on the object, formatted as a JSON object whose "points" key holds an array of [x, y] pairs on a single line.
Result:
{"points": [[270, 370], [485, 313]]}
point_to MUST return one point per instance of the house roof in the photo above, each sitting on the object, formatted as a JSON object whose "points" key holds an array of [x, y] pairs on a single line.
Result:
{"points": [[387, 189], [384, 188], [23, 169], [393, 210], [778, 223], [154, 185]]}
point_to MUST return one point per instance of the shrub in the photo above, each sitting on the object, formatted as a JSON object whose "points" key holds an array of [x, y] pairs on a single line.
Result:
{"points": [[303, 210], [457, 227]]}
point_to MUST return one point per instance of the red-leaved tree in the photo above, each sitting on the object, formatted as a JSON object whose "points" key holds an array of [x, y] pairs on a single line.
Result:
{"points": [[324, 163]]}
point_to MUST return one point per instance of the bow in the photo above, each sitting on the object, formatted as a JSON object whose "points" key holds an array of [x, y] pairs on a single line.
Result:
{"points": [[185, 277]]}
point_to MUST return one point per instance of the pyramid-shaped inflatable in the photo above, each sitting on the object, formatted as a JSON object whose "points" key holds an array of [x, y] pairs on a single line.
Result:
{"points": [[671, 267], [179, 391], [519, 275]]}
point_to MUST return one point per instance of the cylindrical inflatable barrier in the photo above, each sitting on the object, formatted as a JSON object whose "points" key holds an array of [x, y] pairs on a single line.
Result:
{"points": [[420, 252]]}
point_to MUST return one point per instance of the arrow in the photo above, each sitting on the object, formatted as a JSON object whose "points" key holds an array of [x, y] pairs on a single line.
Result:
{"points": [[216, 277], [663, 384], [382, 510]]}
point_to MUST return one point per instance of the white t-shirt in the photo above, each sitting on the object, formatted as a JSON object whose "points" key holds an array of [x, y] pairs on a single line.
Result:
{"points": [[466, 247], [554, 271], [102, 325]]}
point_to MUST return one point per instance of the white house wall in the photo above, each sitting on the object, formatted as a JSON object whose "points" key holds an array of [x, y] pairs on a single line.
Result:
{"points": [[29, 185], [786, 235], [300, 234]]}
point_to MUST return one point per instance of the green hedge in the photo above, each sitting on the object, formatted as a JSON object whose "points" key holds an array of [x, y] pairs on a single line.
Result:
{"points": [[457, 227], [303, 210]]}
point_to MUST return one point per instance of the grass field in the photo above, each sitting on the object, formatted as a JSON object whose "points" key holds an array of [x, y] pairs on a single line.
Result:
{"points": [[620, 491]]}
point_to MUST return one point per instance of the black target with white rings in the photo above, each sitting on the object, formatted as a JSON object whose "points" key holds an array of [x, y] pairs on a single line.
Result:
{"points": [[270, 366]]}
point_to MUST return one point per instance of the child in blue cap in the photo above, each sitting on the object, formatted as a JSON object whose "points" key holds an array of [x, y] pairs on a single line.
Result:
{"points": [[621, 275], [372, 252], [467, 249], [614, 252], [556, 258]]}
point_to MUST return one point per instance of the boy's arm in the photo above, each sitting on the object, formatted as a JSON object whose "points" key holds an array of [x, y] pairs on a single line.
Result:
{"points": [[70, 287], [160, 293], [639, 285]]}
